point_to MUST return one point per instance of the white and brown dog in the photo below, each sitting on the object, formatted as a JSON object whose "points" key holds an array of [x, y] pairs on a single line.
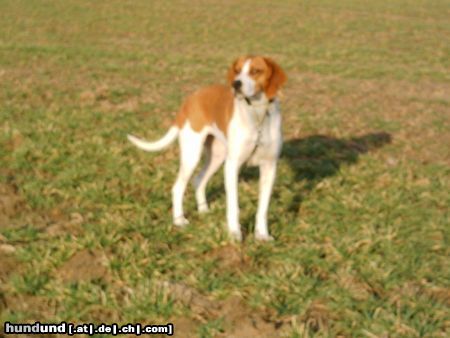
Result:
{"points": [[235, 123]]}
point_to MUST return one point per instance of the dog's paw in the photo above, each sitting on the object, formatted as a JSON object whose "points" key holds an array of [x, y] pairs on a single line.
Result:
{"points": [[236, 236], [180, 221], [263, 237], [203, 208]]}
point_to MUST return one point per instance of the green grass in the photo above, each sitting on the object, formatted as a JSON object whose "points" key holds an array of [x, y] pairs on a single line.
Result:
{"points": [[360, 209]]}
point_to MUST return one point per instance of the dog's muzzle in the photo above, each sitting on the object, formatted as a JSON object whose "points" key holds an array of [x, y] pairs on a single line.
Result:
{"points": [[237, 85]]}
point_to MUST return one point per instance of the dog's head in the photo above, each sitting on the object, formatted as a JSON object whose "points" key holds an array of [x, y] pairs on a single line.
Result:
{"points": [[252, 75]]}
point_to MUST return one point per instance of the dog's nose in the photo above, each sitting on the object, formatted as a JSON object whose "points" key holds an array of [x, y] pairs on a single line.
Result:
{"points": [[237, 84]]}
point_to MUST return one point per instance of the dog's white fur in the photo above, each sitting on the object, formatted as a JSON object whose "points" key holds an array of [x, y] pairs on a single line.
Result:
{"points": [[253, 136]]}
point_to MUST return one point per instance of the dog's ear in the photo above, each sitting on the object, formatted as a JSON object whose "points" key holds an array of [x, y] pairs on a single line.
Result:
{"points": [[231, 72], [277, 78]]}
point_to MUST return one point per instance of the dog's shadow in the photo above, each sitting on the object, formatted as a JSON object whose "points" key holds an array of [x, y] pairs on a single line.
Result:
{"points": [[316, 157]]}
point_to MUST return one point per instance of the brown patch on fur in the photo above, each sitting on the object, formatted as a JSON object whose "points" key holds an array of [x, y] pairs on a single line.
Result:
{"points": [[214, 104], [209, 105], [267, 74], [260, 72], [235, 68], [277, 78]]}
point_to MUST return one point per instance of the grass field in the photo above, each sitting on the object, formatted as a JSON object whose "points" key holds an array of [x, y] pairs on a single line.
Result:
{"points": [[360, 210]]}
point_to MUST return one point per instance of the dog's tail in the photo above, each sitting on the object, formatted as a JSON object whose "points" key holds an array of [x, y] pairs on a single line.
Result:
{"points": [[161, 144]]}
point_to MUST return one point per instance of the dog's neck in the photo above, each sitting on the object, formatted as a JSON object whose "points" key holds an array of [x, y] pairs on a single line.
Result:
{"points": [[258, 102], [255, 109]]}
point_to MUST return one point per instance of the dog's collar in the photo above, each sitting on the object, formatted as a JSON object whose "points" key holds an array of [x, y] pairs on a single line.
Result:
{"points": [[249, 101], [256, 102]]}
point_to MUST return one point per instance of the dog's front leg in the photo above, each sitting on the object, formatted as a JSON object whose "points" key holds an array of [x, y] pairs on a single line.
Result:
{"points": [[231, 188], [267, 171]]}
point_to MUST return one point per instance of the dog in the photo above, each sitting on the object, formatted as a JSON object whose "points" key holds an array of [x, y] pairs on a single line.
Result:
{"points": [[235, 123]]}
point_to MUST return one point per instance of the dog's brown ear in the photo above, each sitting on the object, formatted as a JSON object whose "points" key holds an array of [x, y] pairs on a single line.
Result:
{"points": [[231, 72], [277, 79]]}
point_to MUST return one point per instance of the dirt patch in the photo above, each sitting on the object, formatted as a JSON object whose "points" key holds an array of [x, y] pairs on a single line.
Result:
{"points": [[60, 224], [10, 204], [35, 306], [184, 327], [189, 297], [104, 98], [99, 313], [5, 248], [8, 265], [238, 319], [229, 257], [14, 212], [61, 229], [85, 265]]}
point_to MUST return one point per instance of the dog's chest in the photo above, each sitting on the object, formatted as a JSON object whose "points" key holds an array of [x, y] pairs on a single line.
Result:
{"points": [[255, 133]]}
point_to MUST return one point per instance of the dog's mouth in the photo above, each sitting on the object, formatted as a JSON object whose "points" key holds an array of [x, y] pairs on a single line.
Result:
{"points": [[241, 92], [237, 86]]}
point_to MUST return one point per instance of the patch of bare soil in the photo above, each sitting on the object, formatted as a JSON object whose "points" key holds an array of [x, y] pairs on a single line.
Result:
{"points": [[8, 265], [14, 212], [189, 297], [102, 96], [229, 257], [10, 204], [85, 265], [242, 321], [59, 224], [5, 248], [99, 313], [184, 327], [37, 306], [238, 319]]}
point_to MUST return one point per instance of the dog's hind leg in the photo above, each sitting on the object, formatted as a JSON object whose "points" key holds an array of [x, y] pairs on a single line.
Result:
{"points": [[191, 145], [215, 155]]}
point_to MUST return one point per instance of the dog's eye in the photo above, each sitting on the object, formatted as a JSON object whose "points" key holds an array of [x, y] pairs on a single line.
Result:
{"points": [[255, 71], [237, 70]]}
